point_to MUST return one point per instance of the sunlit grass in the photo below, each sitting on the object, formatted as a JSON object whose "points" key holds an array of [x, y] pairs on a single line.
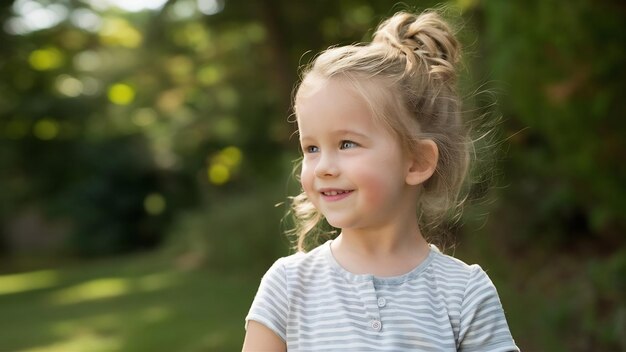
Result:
{"points": [[92, 290], [134, 304], [85, 341], [15, 283]]}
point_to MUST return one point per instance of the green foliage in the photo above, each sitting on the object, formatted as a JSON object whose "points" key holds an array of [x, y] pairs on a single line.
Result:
{"points": [[108, 198], [241, 232], [563, 73]]}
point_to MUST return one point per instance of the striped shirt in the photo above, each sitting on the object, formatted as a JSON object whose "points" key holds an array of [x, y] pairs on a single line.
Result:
{"points": [[443, 304]]}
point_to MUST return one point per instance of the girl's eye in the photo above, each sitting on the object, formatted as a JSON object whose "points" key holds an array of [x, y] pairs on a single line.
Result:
{"points": [[311, 149], [347, 145]]}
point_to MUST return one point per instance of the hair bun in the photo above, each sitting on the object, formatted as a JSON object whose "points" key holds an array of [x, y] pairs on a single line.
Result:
{"points": [[424, 38]]}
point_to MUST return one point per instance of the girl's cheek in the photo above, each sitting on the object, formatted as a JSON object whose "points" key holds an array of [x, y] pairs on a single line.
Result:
{"points": [[305, 176], [376, 185]]}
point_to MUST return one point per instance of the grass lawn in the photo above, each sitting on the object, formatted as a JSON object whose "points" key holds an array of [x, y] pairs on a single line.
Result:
{"points": [[136, 303]]}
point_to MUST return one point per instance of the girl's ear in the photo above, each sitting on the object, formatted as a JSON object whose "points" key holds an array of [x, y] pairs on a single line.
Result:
{"points": [[423, 163]]}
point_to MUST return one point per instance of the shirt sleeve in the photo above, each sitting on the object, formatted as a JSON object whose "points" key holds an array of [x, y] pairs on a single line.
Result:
{"points": [[483, 325], [270, 305]]}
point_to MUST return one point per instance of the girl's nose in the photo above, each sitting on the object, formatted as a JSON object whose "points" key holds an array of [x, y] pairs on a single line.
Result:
{"points": [[326, 166]]}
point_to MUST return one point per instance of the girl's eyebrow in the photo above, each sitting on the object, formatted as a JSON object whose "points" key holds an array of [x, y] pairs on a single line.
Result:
{"points": [[344, 132], [341, 132]]}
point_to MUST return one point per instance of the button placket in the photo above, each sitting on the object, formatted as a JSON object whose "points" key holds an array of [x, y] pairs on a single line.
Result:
{"points": [[369, 297]]}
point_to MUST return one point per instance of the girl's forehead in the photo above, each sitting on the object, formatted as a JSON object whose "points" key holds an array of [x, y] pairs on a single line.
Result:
{"points": [[317, 94], [335, 106], [373, 92], [329, 97], [316, 91], [313, 85]]}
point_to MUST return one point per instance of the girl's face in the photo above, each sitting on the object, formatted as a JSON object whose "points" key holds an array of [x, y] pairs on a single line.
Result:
{"points": [[354, 170]]}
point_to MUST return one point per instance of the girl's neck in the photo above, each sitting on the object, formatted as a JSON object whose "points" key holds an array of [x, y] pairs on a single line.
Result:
{"points": [[382, 252], [380, 242]]}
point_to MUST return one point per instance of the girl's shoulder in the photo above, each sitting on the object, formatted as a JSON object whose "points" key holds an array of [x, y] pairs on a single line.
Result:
{"points": [[449, 262], [449, 268], [299, 261]]}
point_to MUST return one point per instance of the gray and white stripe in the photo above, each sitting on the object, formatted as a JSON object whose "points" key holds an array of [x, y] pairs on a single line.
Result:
{"points": [[314, 304]]}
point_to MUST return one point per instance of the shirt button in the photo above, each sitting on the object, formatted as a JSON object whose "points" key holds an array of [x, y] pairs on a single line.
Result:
{"points": [[376, 325], [382, 302]]}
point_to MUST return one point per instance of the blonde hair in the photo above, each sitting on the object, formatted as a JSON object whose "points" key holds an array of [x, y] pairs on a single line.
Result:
{"points": [[407, 75]]}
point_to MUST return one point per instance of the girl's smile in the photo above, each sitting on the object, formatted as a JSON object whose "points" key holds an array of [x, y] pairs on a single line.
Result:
{"points": [[333, 195]]}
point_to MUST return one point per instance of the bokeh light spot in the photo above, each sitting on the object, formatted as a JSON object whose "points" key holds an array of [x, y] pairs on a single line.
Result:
{"points": [[219, 174], [45, 59], [86, 19], [121, 94], [144, 117], [154, 204], [69, 86], [170, 100], [231, 156], [127, 5], [118, 31], [209, 75], [223, 164], [31, 16], [87, 60], [46, 129], [210, 7]]}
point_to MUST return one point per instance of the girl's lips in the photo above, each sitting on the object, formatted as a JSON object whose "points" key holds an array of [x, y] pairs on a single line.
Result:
{"points": [[332, 195]]}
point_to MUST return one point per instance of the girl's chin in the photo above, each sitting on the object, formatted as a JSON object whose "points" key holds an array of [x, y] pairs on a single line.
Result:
{"points": [[338, 223]]}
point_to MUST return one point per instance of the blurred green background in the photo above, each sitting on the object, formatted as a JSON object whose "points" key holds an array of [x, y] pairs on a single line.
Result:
{"points": [[145, 157]]}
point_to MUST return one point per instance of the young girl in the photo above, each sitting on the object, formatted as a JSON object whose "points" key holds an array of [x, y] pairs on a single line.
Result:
{"points": [[385, 154]]}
